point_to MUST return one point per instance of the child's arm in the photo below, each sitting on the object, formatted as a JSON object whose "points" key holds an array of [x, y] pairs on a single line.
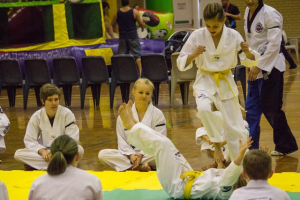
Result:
{"points": [[200, 49], [245, 49], [243, 147]]}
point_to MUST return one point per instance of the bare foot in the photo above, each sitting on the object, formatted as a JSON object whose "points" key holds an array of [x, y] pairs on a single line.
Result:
{"points": [[127, 121], [206, 167], [218, 156], [129, 110], [144, 168]]}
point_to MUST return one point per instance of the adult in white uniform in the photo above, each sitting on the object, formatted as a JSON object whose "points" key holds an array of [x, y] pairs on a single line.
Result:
{"points": [[3, 191], [44, 126], [173, 171], [214, 49], [128, 157], [257, 169], [4, 126], [263, 29], [63, 180]]}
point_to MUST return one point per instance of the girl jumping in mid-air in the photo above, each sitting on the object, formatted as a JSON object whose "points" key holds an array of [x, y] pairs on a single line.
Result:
{"points": [[214, 49]]}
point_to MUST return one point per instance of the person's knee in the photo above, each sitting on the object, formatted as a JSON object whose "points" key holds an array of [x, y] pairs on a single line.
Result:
{"points": [[18, 155], [203, 110], [160, 143], [102, 155]]}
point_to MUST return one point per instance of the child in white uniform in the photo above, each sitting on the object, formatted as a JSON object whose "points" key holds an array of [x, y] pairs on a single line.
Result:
{"points": [[4, 126], [64, 181], [43, 127], [3, 191], [174, 173], [257, 169], [214, 49], [126, 155]]}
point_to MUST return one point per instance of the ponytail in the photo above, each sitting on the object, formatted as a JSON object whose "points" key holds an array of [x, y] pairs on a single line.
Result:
{"points": [[63, 150]]}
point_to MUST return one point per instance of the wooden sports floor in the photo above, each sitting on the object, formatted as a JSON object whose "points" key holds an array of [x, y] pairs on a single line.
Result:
{"points": [[97, 131]]}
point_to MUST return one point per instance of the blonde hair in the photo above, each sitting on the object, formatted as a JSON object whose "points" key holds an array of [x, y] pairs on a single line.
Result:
{"points": [[212, 11], [145, 81]]}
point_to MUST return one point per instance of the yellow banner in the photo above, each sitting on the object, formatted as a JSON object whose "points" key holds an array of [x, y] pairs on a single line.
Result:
{"points": [[106, 53]]}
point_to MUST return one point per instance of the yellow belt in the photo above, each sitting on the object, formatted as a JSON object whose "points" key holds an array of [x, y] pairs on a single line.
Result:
{"points": [[188, 186], [222, 75]]}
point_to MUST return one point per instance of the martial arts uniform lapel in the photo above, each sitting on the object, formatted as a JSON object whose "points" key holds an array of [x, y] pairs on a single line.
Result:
{"points": [[250, 21], [49, 132], [147, 119], [216, 50]]}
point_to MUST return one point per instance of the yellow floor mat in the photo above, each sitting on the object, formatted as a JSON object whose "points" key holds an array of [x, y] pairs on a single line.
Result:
{"points": [[18, 182]]}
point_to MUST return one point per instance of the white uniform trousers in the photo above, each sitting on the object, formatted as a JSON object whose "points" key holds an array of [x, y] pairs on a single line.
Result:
{"points": [[2, 145], [169, 162], [229, 118], [33, 159], [120, 162]]}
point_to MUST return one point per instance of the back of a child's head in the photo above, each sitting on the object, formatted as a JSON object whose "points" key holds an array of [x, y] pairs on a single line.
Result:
{"points": [[257, 164]]}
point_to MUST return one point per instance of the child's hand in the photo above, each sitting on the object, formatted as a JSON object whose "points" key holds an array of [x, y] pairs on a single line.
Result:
{"points": [[265, 149], [200, 49], [245, 47], [136, 160], [246, 145]]}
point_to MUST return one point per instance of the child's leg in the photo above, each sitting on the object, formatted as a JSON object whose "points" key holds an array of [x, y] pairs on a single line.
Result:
{"points": [[213, 123], [114, 159], [169, 162], [31, 158], [234, 126]]}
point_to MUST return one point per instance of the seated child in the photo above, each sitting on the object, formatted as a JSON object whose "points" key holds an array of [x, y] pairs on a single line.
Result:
{"points": [[257, 169]]}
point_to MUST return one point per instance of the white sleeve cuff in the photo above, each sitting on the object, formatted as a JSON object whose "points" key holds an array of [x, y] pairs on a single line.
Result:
{"points": [[181, 61], [251, 63]]}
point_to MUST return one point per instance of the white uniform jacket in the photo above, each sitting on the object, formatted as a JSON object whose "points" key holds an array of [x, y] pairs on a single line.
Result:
{"points": [[40, 134], [4, 127], [73, 184], [214, 59], [216, 183], [153, 118], [259, 190], [265, 37]]}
